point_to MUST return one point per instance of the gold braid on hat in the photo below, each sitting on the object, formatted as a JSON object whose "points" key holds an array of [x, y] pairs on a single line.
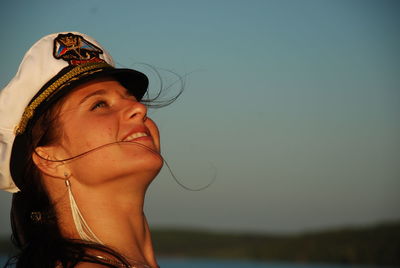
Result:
{"points": [[64, 80]]}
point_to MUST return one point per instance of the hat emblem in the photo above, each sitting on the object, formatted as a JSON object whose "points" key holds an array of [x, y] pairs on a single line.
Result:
{"points": [[75, 49]]}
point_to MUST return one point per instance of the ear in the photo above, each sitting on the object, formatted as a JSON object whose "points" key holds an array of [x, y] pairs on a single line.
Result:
{"points": [[43, 157]]}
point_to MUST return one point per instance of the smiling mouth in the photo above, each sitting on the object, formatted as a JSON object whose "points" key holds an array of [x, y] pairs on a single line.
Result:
{"points": [[135, 136]]}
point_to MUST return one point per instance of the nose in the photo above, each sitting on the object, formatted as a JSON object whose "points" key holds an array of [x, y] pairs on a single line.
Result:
{"points": [[135, 111]]}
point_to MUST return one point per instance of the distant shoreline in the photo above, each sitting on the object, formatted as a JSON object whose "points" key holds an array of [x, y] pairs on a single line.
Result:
{"points": [[373, 245]]}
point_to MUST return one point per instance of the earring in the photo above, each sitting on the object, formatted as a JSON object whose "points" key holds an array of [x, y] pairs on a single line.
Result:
{"points": [[36, 216], [81, 226]]}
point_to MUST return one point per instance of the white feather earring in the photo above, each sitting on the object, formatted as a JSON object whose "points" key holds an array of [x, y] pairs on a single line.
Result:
{"points": [[81, 226]]}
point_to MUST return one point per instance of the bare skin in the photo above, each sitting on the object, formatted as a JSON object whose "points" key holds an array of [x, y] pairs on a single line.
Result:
{"points": [[109, 184]]}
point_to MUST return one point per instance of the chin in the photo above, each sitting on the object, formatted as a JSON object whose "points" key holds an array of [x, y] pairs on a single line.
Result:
{"points": [[157, 165], [152, 166]]}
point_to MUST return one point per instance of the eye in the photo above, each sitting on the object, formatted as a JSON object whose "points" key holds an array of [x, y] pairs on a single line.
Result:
{"points": [[99, 104]]}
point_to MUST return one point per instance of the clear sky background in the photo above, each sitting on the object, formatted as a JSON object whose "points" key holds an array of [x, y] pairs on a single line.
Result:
{"points": [[295, 104]]}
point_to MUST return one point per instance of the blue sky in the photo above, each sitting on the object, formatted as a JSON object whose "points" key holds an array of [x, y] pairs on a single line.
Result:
{"points": [[295, 104]]}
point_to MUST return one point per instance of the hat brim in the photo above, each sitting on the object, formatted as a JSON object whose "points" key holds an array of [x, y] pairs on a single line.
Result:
{"points": [[135, 82]]}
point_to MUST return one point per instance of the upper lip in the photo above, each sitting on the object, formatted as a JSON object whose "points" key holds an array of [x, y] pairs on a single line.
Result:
{"points": [[137, 132]]}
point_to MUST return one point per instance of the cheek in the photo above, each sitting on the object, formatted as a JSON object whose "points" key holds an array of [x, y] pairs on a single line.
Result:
{"points": [[154, 132], [81, 136]]}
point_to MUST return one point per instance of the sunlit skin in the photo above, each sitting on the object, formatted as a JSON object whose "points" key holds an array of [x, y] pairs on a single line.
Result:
{"points": [[109, 184]]}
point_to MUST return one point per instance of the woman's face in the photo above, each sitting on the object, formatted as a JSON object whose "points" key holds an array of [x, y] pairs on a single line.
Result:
{"points": [[102, 112]]}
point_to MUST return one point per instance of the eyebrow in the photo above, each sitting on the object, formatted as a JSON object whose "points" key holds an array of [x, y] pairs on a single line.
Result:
{"points": [[95, 93]]}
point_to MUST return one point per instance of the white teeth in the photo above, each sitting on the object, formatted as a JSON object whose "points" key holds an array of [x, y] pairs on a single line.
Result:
{"points": [[135, 136]]}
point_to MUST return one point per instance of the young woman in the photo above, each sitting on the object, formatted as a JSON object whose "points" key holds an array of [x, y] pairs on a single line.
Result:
{"points": [[78, 152]]}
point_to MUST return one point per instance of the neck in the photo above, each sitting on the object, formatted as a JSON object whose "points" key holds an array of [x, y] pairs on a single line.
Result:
{"points": [[116, 219]]}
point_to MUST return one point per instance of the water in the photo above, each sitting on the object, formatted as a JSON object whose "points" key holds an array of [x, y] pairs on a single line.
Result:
{"points": [[211, 263]]}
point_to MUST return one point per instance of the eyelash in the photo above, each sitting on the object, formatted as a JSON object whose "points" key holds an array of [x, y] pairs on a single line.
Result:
{"points": [[104, 103], [99, 104]]}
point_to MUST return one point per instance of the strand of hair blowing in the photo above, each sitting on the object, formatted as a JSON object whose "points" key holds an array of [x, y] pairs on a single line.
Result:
{"points": [[137, 144]]}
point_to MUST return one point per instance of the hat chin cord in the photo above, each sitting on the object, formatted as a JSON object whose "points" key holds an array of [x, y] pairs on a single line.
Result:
{"points": [[83, 229]]}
